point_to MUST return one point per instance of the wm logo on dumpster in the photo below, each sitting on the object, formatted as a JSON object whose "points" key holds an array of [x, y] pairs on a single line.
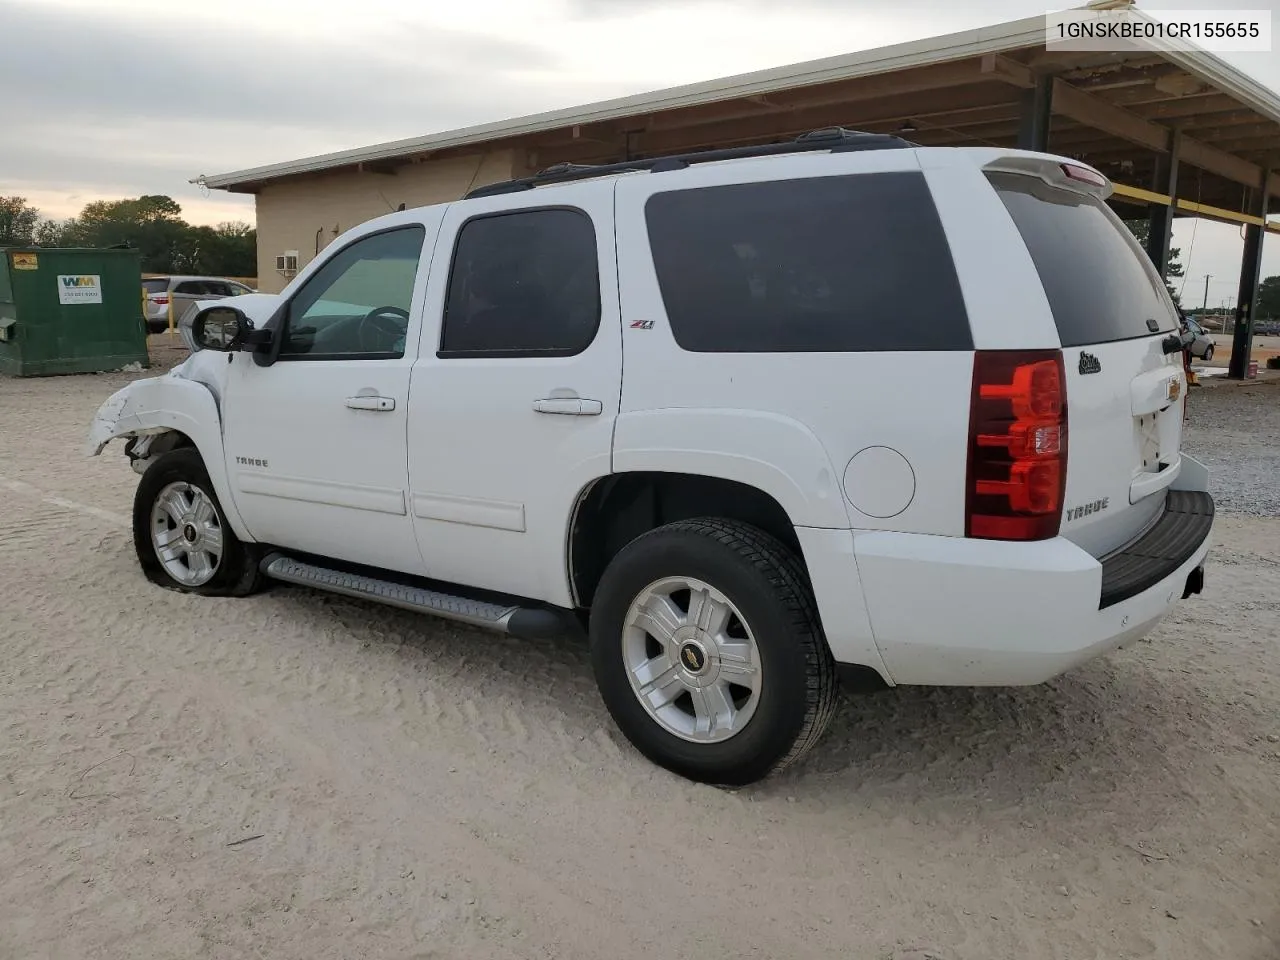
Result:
{"points": [[79, 288]]}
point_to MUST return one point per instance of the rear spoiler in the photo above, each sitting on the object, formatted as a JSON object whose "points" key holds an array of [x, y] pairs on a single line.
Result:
{"points": [[1059, 171]]}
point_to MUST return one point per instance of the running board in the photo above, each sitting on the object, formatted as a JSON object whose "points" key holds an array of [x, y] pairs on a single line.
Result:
{"points": [[530, 623]]}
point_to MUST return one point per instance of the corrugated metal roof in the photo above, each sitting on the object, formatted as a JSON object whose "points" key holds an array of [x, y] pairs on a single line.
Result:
{"points": [[1001, 38]]}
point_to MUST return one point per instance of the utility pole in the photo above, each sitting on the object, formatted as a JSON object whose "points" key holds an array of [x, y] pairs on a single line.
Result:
{"points": [[1205, 305]]}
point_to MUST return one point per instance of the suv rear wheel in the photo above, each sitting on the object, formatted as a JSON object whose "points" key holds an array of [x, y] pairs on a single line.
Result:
{"points": [[708, 651], [181, 537]]}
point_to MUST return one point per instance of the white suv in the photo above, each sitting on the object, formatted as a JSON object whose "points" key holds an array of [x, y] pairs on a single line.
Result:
{"points": [[760, 420]]}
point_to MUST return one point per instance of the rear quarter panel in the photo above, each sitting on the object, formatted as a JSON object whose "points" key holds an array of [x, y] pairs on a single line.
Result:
{"points": [[789, 423]]}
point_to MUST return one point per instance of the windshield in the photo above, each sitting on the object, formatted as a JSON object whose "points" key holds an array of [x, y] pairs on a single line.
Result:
{"points": [[156, 284]]}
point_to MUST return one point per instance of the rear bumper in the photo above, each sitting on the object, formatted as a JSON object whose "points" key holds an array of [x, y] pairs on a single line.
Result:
{"points": [[949, 611], [1177, 535]]}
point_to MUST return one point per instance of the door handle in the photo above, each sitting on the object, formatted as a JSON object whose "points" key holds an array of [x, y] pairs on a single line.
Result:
{"points": [[377, 404], [569, 406]]}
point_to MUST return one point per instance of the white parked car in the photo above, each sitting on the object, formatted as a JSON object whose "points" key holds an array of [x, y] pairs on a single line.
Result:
{"points": [[1201, 345], [758, 420], [174, 295]]}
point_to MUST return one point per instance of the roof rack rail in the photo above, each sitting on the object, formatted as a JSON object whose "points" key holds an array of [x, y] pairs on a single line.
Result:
{"points": [[834, 139]]}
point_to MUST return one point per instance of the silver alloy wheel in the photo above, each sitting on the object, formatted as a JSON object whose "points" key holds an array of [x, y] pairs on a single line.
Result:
{"points": [[692, 660], [186, 532]]}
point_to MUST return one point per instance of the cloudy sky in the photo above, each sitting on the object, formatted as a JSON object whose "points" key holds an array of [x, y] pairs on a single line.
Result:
{"points": [[114, 98]]}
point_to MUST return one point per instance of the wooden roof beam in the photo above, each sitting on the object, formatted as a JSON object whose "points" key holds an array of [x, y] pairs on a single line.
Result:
{"points": [[1093, 111], [1243, 131], [1165, 109], [1190, 120], [859, 115], [1262, 147], [933, 79]]}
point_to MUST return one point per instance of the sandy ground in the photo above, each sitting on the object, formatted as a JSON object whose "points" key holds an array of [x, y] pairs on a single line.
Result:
{"points": [[299, 776]]}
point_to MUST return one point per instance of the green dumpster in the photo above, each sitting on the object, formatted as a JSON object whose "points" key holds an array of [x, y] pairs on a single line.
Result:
{"points": [[70, 311]]}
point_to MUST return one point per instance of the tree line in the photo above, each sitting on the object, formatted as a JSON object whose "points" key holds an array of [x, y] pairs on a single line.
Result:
{"points": [[152, 225]]}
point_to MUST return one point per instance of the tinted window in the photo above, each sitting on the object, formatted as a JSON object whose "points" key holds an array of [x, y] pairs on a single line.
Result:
{"points": [[156, 284], [834, 264], [523, 283], [357, 304], [1099, 281], [192, 288]]}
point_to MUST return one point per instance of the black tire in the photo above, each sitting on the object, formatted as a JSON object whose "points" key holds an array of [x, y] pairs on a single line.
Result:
{"points": [[1208, 354], [236, 573], [766, 582]]}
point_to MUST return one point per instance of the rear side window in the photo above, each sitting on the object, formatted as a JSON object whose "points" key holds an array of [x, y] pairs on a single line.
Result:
{"points": [[523, 283], [831, 264], [156, 285], [1100, 283]]}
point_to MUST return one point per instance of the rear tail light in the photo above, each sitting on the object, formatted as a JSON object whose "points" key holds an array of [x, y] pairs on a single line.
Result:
{"points": [[160, 298], [1017, 467]]}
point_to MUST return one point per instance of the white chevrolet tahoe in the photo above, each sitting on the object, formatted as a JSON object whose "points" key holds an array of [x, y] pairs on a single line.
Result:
{"points": [[759, 420]]}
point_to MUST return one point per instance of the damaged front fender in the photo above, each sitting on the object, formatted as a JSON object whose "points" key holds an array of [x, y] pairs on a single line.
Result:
{"points": [[117, 417], [163, 405]]}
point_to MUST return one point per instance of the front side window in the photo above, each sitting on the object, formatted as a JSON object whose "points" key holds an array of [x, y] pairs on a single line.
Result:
{"points": [[356, 306], [524, 283]]}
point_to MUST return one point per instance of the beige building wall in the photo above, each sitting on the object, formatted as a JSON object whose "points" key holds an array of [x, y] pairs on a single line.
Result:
{"points": [[307, 213]]}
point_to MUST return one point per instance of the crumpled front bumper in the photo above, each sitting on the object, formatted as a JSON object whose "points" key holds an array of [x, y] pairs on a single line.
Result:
{"points": [[118, 415]]}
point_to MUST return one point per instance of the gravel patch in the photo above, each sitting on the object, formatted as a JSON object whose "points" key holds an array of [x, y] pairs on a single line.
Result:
{"points": [[1235, 432]]}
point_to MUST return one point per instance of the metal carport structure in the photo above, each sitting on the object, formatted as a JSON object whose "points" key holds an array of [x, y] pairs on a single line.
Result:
{"points": [[1180, 133]]}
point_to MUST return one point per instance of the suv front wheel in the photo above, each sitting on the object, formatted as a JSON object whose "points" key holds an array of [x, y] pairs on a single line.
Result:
{"points": [[708, 651], [182, 540]]}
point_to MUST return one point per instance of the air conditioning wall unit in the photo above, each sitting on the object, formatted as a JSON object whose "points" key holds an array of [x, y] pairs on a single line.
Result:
{"points": [[287, 263]]}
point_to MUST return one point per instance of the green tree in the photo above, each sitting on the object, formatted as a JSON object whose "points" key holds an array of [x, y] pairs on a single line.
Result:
{"points": [[55, 233], [1269, 299], [1141, 229], [229, 249], [17, 222], [152, 225]]}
